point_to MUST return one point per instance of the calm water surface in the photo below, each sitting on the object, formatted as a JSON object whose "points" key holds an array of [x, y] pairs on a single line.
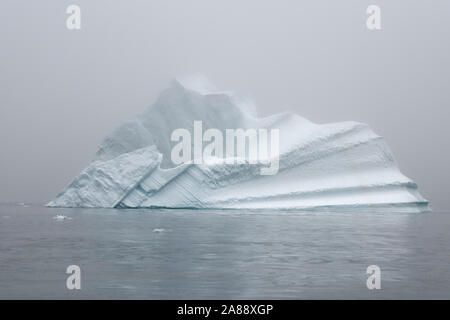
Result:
{"points": [[221, 255]]}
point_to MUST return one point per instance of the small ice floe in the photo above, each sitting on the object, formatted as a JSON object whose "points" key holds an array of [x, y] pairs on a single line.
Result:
{"points": [[160, 230], [60, 217]]}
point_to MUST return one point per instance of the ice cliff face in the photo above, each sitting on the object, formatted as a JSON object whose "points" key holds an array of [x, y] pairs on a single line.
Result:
{"points": [[338, 166]]}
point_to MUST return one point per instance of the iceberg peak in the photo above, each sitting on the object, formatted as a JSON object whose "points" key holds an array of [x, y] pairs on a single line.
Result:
{"points": [[196, 82]]}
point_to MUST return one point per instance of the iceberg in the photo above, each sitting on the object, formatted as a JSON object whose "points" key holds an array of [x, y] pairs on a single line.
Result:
{"points": [[341, 166]]}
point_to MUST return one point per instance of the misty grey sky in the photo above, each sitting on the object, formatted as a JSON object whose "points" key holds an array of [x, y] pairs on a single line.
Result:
{"points": [[62, 91]]}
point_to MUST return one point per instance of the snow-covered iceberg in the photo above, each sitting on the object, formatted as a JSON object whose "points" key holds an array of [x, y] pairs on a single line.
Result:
{"points": [[337, 166]]}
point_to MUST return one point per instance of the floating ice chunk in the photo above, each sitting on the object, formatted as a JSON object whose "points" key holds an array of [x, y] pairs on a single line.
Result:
{"points": [[159, 230], [337, 166], [60, 217]]}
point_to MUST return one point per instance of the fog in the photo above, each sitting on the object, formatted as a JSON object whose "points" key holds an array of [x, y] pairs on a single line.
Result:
{"points": [[62, 91]]}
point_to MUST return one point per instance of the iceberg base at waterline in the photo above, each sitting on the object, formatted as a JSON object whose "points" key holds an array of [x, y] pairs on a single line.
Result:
{"points": [[341, 166]]}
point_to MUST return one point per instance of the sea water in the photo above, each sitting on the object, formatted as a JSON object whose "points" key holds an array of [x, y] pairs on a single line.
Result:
{"points": [[196, 254]]}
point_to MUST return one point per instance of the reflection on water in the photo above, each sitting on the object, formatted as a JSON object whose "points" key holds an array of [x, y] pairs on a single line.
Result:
{"points": [[164, 254]]}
